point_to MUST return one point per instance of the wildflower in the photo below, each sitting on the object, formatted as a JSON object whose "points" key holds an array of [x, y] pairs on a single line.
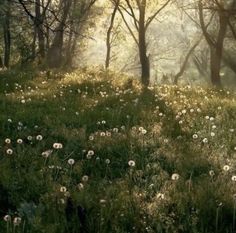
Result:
{"points": [[57, 145], [131, 163], [144, 131], [160, 196], [47, 153], [233, 178], [30, 138], [80, 186], [85, 178], [71, 161], [211, 173], [102, 201], [226, 168], [7, 218], [39, 137], [19, 141], [205, 140], [115, 130], [90, 154], [9, 151], [103, 122], [91, 137], [213, 134], [107, 161], [175, 176], [63, 189], [62, 201], [141, 129], [17, 221], [195, 136], [8, 140]]}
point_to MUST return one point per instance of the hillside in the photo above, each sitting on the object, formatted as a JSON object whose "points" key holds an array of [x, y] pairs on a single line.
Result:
{"points": [[93, 152]]}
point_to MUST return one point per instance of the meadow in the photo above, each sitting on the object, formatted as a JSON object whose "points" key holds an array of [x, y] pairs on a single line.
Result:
{"points": [[92, 151]]}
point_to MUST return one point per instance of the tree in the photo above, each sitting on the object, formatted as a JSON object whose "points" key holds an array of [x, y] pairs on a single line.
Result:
{"points": [[6, 31], [216, 43], [138, 11], [109, 33]]}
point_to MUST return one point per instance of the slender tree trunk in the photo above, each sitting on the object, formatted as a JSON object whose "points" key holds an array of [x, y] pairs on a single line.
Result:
{"points": [[216, 52], [39, 28], [1, 62], [184, 65], [144, 59], [7, 36], [109, 33]]}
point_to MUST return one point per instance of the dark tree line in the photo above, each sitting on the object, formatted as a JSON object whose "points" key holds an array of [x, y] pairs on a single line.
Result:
{"points": [[52, 29]]}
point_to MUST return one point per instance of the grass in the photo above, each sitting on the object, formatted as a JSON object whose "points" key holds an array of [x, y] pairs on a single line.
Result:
{"points": [[154, 160]]}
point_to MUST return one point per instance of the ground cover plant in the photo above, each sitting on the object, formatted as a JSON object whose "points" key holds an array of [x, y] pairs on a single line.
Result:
{"points": [[93, 151]]}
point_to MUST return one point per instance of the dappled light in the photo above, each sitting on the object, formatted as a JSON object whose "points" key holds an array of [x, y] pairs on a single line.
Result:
{"points": [[117, 116]]}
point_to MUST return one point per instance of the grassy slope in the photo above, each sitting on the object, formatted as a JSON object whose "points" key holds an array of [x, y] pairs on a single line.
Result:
{"points": [[93, 111]]}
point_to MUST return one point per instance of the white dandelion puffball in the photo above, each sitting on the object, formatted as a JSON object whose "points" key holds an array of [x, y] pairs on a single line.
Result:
{"points": [[226, 168], [107, 161], [160, 196], [211, 173], [17, 221], [7, 218], [9, 151], [213, 134], [85, 178], [47, 153], [39, 137], [7, 140], [195, 136], [19, 141], [131, 163], [57, 145], [102, 201], [71, 161], [90, 154], [175, 176], [233, 178], [205, 140], [63, 189], [80, 186]]}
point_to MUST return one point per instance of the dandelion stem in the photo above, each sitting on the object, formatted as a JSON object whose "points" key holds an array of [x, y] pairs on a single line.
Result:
{"points": [[234, 215], [217, 218]]}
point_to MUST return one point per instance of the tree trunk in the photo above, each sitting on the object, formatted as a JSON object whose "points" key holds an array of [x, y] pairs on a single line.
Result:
{"points": [[39, 29], [109, 32], [215, 62], [144, 59], [184, 65], [7, 36], [217, 50], [55, 51]]}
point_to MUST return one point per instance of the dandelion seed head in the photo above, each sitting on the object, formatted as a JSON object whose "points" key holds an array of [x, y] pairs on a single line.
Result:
{"points": [[131, 163]]}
